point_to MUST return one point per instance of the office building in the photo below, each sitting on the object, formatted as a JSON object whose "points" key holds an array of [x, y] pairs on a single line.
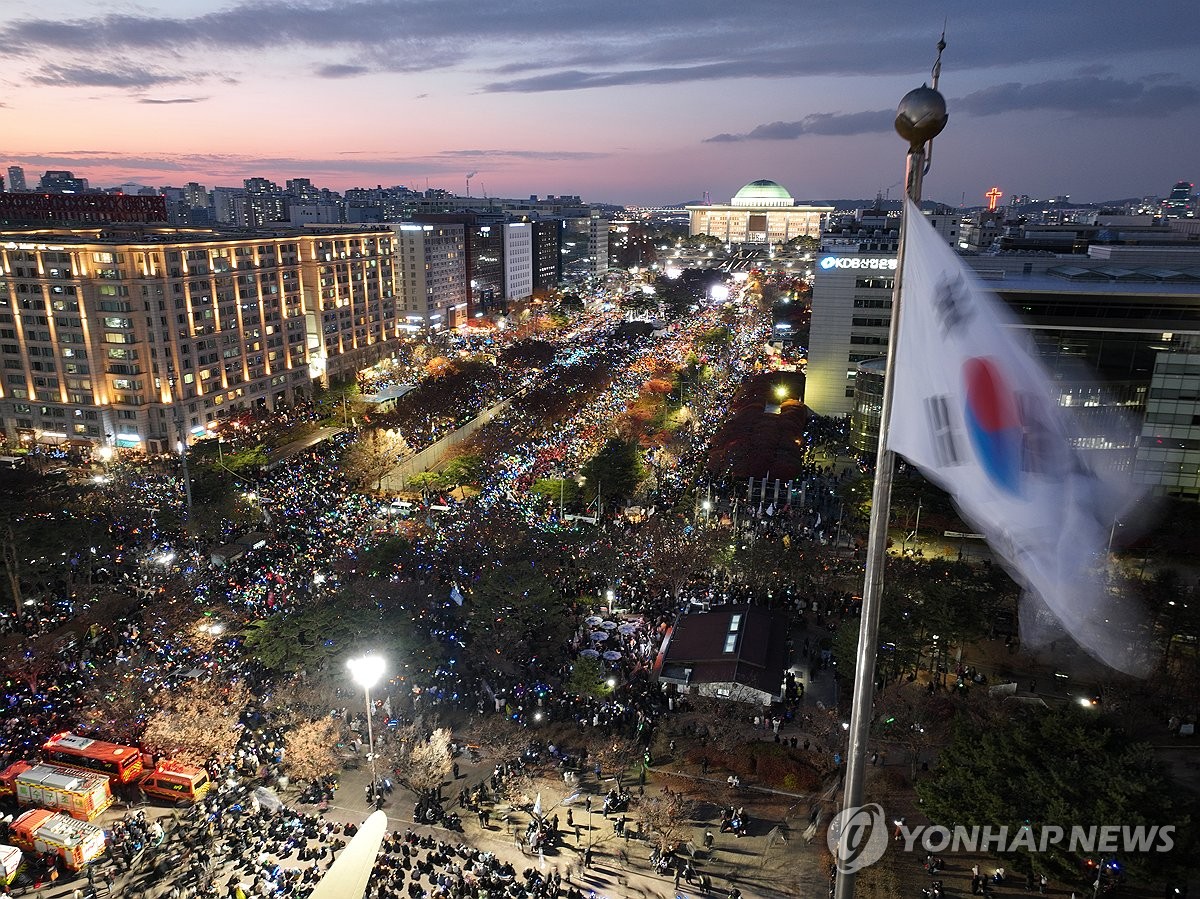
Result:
{"points": [[518, 263], [547, 254], [762, 212], [62, 182], [1168, 452], [1119, 328], [1180, 204], [16, 178], [139, 338]]}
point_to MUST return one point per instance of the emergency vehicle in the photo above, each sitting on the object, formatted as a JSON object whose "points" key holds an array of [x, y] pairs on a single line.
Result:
{"points": [[76, 842], [121, 764], [80, 794], [12, 860], [176, 782]]}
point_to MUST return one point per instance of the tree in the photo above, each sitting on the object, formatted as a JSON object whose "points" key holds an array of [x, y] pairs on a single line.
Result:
{"points": [[614, 471], [310, 749], [1055, 767], [373, 455], [466, 468], [914, 719], [421, 762], [299, 638], [667, 817], [557, 490], [670, 557], [721, 723], [196, 721], [515, 615], [116, 703], [586, 679]]}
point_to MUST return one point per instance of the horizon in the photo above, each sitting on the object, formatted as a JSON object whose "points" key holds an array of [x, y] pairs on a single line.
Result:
{"points": [[623, 104], [814, 200]]}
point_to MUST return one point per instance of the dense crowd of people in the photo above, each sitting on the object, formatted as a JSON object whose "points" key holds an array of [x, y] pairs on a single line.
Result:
{"points": [[239, 838]]}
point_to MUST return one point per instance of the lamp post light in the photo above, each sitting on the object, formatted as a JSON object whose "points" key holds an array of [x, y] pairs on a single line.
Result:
{"points": [[366, 670]]}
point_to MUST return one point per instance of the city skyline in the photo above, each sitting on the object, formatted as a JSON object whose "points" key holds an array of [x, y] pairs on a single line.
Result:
{"points": [[621, 103]]}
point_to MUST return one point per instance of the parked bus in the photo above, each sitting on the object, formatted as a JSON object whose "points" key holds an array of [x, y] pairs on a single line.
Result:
{"points": [[76, 842], [81, 794], [176, 782], [121, 764]]}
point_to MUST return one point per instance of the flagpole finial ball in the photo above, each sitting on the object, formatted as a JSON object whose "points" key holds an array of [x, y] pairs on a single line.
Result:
{"points": [[921, 115]]}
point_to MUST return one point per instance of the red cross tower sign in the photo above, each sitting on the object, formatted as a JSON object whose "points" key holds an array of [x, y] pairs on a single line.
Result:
{"points": [[993, 197]]}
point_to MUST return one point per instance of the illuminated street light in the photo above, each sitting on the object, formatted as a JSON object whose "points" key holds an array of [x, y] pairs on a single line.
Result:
{"points": [[366, 671]]}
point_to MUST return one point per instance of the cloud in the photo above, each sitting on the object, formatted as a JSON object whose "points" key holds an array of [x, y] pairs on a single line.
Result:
{"points": [[565, 45], [124, 76], [338, 70], [218, 168], [1151, 97], [575, 79], [824, 123], [172, 101], [522, 154], [514, 46]]}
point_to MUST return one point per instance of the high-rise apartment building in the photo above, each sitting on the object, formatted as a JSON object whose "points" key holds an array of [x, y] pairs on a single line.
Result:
{"points": [[139, 339], [598, 244], [16, 178], [431, 275], [262, 202]]}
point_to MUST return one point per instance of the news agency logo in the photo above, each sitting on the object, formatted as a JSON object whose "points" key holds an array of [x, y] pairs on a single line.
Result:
{"points": [[857, 837]]}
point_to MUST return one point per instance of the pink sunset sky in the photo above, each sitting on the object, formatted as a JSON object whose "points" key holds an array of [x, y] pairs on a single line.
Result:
{"points": [[622, 102]]}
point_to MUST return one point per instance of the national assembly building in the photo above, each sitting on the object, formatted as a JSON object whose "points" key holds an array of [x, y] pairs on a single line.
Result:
{"points": [[762, 212]]}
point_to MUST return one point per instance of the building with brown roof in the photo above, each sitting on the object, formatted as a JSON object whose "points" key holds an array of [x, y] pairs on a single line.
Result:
{"points": [[733, 652]]}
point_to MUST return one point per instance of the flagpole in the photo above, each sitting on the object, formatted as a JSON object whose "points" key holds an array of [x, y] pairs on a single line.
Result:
{"points": [[920, 117]]}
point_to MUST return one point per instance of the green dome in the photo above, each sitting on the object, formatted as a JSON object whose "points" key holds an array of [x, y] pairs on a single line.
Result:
{"points": [[762, 189]]}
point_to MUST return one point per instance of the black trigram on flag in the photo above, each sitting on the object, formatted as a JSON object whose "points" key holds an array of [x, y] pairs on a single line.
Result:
{"points": [[943, 439]]}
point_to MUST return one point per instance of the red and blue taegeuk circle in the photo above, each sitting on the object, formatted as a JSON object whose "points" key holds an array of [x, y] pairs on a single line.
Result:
{"points": [[993, 422]]}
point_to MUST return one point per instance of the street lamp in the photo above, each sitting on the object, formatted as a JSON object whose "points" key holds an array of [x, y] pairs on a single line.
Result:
{"points": [[366, 670]]}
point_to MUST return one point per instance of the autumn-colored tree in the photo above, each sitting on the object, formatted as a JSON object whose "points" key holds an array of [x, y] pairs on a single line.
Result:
{"points": [[301, 697], [439, 366], [721, 723], [666, 817], [116, 703], [518, 790], [421, 762], [310, 749], [373, 455], [197, 721]]}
